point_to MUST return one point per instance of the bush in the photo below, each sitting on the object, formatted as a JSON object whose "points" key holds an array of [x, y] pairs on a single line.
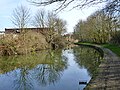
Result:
{"points": [[23, 43], [116, 38]]}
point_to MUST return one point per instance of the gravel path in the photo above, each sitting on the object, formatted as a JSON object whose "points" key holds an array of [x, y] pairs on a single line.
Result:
{"points": [[109, 75]]}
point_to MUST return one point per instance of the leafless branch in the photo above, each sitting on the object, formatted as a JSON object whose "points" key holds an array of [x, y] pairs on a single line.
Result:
{"points": [[21, 16], [111, 4]]}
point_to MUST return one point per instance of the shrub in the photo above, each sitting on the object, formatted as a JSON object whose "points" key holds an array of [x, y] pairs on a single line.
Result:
{"points": [[116, 38], [23, 43]]}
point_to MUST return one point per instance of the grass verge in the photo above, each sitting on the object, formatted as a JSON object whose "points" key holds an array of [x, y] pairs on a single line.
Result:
{"points": [[113, 48]]}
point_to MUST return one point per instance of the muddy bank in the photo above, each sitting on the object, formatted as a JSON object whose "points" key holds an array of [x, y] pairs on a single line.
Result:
{"points": [[108, 77]]}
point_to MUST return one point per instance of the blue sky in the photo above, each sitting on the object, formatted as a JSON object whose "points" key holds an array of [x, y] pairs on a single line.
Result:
{"points": [[72, 17]]}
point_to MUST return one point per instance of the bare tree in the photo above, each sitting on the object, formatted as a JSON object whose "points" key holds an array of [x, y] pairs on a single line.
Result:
{"points": [[56, 26], [111, 5], [39, 19], [21, 16], [51, 19], [56, 23], [60, 26], [65, 3]]}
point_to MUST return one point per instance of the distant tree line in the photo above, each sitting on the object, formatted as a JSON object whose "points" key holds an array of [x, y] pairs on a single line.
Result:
{"points": [[103, 26], [99, 27]]}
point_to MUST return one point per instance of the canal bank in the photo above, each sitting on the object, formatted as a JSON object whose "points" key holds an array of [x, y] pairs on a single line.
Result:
{"points": [[108, 77], [61, 69]]}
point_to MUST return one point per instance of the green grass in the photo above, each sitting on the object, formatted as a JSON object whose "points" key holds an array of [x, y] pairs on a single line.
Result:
{"points": [[114, 48], [85, 43]]}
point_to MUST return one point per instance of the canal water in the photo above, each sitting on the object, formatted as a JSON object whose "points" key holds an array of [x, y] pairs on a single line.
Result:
{"points": [[61, 69]]}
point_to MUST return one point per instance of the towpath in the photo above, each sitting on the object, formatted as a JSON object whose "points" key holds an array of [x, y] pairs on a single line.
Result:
{"points": [[108, 77]]}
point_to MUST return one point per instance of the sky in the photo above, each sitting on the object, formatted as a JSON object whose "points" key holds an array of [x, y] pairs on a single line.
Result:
{"points": [[71, 16]]}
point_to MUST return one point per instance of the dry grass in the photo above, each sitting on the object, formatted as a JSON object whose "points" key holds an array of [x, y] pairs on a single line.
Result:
{"points": [[29, 41], [23, 43]]}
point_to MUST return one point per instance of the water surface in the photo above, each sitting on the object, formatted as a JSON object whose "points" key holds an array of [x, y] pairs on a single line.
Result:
{"points": [[62, 69]]}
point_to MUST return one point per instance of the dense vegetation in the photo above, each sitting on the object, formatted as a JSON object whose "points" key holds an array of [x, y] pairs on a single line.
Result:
{"points": [[100, 27], [28, 41]]}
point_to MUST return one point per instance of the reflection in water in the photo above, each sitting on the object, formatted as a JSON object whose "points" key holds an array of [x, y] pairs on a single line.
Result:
{"points": [[49, 70], [23, 81], [88, 58]]}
